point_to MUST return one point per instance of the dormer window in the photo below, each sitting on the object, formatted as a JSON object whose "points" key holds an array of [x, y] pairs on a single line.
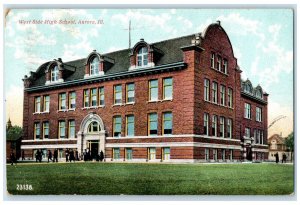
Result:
{"points": [[54, 74], [248, 88], [94, 66], [142, 57], [258, 93]]}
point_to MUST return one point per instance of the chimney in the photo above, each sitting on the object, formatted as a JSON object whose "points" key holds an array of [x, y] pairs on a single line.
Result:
{"points": [[218, 22]]}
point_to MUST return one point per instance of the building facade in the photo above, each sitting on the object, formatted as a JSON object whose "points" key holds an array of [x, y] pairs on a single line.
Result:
{"points": [[277, 145], [178, 100]]}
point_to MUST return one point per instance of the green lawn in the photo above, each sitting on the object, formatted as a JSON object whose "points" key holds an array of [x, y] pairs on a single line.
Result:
{"points": [[158, 179]]}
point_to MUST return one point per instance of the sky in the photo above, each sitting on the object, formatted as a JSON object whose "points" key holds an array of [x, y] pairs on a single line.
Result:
{"points": [[262, 41]]}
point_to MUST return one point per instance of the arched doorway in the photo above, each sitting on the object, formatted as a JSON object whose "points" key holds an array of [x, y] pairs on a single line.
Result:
{"points": [[91, 136]]}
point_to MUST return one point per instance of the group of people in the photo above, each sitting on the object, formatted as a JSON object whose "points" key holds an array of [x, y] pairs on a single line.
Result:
{"points": [[87, 156], [283, 160], [70, 154]]}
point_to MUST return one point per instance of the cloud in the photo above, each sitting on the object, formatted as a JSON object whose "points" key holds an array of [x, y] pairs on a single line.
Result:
{"points": [[147, 21], [242, 25], [284, 125], [280, 59], [14, 105], [74, 51]]}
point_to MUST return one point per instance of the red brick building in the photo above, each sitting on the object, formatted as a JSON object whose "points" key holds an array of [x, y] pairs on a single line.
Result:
{"points": [[178, 100]]}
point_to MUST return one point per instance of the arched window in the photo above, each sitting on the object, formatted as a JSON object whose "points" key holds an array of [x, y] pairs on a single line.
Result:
{"points": [[248, 88], [258, 93], [94, 127], [54, 74], [94, 66], [142, 57]]}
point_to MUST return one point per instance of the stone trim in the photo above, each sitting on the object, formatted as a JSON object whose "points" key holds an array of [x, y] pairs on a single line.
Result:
{"points": [[174, 144], [169, 136], [49, 146]]}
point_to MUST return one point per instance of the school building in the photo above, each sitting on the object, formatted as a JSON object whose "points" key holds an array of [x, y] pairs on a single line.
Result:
{"points": [[177, 100]]}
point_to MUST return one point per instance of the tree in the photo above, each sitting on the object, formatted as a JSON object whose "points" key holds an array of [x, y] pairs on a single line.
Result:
{"points": [[289, 143], [14, 133]]}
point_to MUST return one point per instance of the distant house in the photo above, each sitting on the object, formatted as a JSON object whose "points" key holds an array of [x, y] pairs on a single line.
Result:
{"points": [[276, 144], [13, 141]]}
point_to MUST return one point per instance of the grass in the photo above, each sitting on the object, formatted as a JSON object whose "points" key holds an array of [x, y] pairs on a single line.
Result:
{"points": [[151, 179]]}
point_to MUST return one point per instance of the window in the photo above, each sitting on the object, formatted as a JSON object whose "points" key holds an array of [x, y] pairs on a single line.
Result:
{"points": [[247, 111], [130, 93], [86, 98], [94, 66], [101, 96], [37, 104], [62, 129], [168, 88], [117, 120], [93, 127], [46, 130], [219, 61], [94, 97], [215, 154], [247, 132], [222, 119], [258, 93], [152, 124], [54, 74], [225, 66], [153, 90], [229, 99], [229, 128], [37, 130], [167, 123], [142, 57], [128, 153], [212, 60], [223, 154], [206, 89], [248, 88], [230, 155], [152, 153], [214, 126], [118, 94], [62, 101], [258, 136], [130, 125], [258, 114], [72, 100], [273, 144], [206, 118], [222, 95], [71, 128], [215, 92], [46, 103], [206, 154], [116, 153], [166, 153]]}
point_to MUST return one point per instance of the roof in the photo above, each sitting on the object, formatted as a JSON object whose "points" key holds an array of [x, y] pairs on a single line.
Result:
{"points": [[278, 138], [170, 48]]}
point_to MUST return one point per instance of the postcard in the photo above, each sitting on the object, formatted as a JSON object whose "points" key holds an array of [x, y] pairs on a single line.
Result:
{"points": [[165, 101]]}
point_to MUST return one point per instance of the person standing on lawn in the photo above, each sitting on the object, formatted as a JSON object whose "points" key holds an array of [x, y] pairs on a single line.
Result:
{"points": [[277, 157], [101, 156], [67, 155], [23, 155], [55, 155], [49, 156], [12, 158]]}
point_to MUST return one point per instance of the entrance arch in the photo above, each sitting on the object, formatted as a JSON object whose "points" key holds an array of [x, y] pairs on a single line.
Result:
{"points": [[91, 134]]}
